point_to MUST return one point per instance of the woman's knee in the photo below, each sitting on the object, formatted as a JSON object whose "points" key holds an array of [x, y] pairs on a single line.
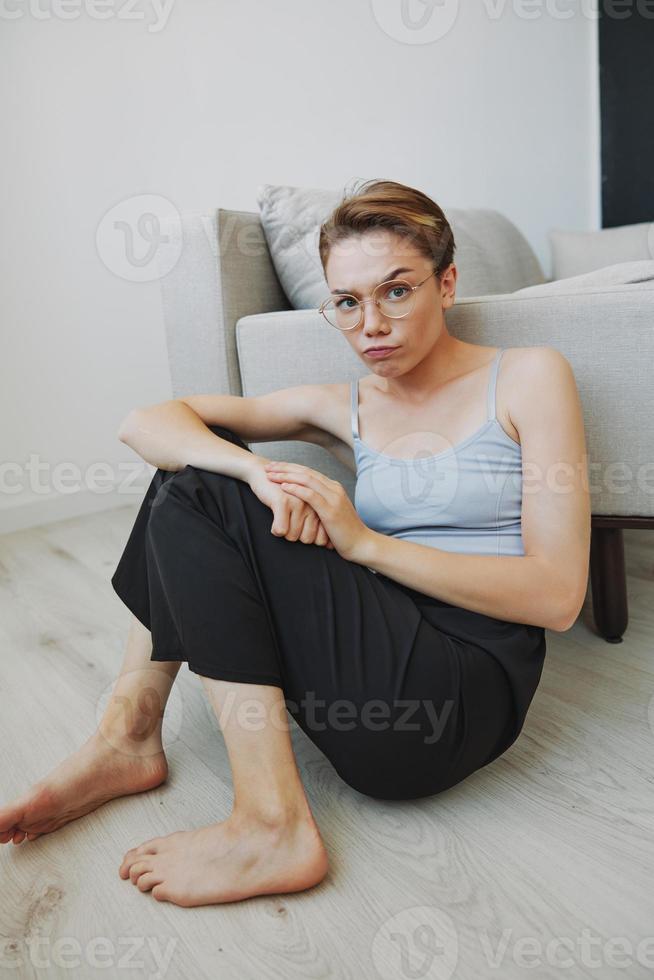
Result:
{"points": [[392, 785], [393, 769], [168, 489], [193, 491]]}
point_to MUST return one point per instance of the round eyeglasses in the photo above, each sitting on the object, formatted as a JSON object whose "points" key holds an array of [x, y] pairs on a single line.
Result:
{"points": [[395, 299]]}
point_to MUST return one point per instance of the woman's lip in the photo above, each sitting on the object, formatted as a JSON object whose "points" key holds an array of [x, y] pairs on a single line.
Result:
{"points": [[379, 351]]}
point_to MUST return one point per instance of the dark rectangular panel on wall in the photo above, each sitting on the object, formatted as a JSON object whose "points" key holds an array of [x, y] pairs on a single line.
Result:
{"points": [[626, 55]]}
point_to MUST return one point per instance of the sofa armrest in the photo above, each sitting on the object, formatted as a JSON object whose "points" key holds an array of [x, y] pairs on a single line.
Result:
{"points": [[607, 334], [221, 271]]}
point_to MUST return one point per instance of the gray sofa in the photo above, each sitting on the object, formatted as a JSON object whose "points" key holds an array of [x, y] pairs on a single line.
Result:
{"points": [[230, 329]]}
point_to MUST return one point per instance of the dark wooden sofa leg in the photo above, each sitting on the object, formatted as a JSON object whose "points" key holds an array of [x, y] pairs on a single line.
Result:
{"points": [[608, 582]]}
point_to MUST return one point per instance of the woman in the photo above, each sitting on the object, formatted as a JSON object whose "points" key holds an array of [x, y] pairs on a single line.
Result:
{"points": [[406, 636]]}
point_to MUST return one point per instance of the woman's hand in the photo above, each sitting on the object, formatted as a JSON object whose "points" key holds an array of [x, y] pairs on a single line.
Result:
{"points": [[293, 519], [346, 530]]}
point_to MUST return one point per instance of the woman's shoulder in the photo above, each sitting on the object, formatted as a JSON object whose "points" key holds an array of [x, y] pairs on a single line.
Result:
{"points": [[329, 408], [529, 365], [534, 377]]}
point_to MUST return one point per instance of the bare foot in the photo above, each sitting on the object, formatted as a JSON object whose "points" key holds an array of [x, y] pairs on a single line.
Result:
{"points": [[97, 772], [228, 861]]}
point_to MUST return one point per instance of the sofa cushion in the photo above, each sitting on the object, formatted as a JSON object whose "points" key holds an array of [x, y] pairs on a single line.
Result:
{"points": [[491, 255], [612, 275], [577, 252]]}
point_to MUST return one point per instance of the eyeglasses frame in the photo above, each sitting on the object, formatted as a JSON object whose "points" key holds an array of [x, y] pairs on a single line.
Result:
{"points": [[361, 302]]}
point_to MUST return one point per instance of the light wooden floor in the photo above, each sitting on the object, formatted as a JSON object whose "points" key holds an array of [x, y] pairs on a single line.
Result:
{"points": [[552, 840]]}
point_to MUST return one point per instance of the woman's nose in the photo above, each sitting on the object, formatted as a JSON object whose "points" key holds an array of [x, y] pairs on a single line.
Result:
{"points": [[371, 314]]}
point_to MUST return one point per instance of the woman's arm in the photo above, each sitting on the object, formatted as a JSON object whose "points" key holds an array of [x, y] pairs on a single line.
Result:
{"points": [[174, 434], [171, 436], [520, 589], [547, 586]]}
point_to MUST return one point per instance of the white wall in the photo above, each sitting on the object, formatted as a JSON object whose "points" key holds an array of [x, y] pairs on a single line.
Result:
{"points": [[499, 112]]}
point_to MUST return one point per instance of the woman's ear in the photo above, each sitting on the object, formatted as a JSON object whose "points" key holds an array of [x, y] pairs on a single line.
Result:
{"points": [[448, 286]]}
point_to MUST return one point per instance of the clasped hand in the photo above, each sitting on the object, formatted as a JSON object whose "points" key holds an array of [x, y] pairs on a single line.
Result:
{"points": [[312, 503]]}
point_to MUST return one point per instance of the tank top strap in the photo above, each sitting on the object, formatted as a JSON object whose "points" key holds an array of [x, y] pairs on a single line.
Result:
{"points": [[354, 401], [492, 384]]}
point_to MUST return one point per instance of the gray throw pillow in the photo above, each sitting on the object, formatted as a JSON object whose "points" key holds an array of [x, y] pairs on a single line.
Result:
{"points": [[291, 219], [492, 255], [613, 275], [576, 252]]}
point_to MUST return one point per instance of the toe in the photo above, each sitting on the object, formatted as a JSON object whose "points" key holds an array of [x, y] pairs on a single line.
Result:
{"points": [[129, 858], [135, 854], [148, 880], [10, 817], [159, 892], [137, 869], [19, 836]]}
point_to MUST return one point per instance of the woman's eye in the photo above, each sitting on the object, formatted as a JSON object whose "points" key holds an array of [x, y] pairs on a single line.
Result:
{"points": [[347, 299], [397, 292]]}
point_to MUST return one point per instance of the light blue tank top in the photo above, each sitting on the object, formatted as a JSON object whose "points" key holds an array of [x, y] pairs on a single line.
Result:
{"points": [[467, 498]]}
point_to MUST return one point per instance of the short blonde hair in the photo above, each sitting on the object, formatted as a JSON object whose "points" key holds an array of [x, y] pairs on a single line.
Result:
{"points": [[405, 211]]}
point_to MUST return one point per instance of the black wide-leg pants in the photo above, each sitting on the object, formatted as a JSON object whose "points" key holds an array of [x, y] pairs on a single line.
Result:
{"points": [[406, 695]]}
